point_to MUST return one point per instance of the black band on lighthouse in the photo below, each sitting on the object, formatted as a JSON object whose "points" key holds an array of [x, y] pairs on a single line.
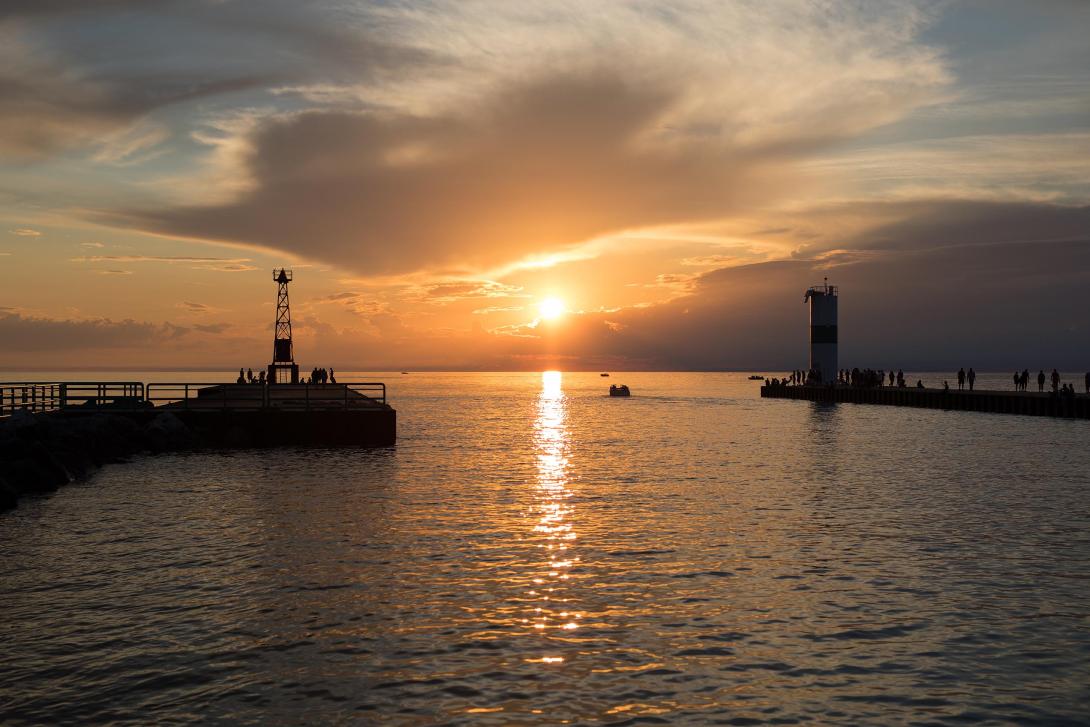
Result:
{"points": [[822, 334]]}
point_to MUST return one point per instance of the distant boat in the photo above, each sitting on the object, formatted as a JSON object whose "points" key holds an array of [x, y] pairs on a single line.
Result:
{"points": [[404, 372], [621, 390], [603, 374], [756, 377]]}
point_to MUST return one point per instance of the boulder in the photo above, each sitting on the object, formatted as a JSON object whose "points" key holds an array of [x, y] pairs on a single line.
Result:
{"points": [[167, 432], [9, 497]]}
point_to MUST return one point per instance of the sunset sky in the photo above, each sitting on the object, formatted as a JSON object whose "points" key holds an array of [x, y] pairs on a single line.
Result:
{"points": [[673, 175]]}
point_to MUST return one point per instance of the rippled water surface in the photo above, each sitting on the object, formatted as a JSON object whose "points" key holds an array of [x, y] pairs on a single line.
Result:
{"points": [[533, 551]]}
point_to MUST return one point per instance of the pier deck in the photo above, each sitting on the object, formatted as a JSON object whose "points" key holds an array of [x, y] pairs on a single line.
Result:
{"points": [[997, 402]]}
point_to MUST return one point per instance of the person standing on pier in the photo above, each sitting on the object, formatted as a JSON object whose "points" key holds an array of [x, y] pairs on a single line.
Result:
{"points": [[961, 378], [1055, 380], [1025, 379], [972, 378]]}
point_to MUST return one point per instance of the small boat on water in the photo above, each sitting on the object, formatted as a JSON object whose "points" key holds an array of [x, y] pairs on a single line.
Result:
{"points": [[621, 390], [756, 377], [603, 374]]}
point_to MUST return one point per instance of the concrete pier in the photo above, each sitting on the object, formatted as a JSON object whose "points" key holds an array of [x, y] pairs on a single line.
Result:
{"points": [[53, 433], [996, 402]]}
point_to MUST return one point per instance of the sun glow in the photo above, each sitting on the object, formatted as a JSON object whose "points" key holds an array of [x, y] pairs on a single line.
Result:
{"points": [[551, 308]]}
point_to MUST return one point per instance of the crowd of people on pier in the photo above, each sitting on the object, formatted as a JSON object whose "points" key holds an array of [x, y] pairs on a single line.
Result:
{"points": [[871, 378], [321, 376], [317, 376], [247, 377]]}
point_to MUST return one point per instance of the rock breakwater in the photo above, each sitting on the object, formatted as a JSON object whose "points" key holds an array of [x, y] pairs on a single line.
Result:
{"points": [[40, 453]]}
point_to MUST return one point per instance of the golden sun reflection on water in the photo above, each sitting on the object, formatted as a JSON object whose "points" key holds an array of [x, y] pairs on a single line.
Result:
{"points": [[554, 522]]}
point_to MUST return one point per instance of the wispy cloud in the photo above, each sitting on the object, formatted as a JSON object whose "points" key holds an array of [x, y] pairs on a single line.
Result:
{"points": [[158, 259], [25, 232], [498, 309], [195, 307]]}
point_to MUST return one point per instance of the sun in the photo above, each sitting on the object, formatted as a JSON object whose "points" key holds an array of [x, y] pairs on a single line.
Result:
{"points": [[551, 308]]}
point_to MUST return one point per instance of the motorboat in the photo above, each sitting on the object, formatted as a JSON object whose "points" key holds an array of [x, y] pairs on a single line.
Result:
{"points": [[621, 390], [603, 374], [756, 377]]}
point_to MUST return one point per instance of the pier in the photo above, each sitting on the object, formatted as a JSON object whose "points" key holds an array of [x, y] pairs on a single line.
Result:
{"points": [[56, 432], [996, 402], [225, 415]]}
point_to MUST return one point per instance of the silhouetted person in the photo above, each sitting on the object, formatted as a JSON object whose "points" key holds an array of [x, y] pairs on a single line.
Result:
{"points": [[261, 377], [961, 378], [1025, 379], [1017, 380], [945, 386], [250, 375], [1055, 379], [891, 377], [332, 378], [919, 383], [972, 378], [241, 377], [900, 378], [1041, 380]]}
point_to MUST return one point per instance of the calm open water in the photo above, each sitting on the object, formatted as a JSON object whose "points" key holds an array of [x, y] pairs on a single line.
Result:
{"points": [[533, 551]]}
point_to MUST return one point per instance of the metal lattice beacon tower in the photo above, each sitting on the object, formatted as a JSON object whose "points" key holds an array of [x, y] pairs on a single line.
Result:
{"points": [[283, 369], [822, 299]]}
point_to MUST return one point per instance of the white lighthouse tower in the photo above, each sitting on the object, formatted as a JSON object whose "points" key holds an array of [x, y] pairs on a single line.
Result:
{"points": [[822, 299]]}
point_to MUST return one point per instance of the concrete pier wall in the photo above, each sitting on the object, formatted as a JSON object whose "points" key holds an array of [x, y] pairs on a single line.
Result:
{"points": [[997, 402], [40, 452]]}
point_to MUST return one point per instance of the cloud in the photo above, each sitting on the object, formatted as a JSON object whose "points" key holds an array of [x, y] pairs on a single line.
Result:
{"points": [[557, 137], [947, 284], [194, 307], [31, 8], [346, 295], [469, 290], [552, 165], [114, 272], [39, 334], [61, 90], [212, 328], [498, 309], [158, 259], [92, 245], [51, 101], [25, 232]]}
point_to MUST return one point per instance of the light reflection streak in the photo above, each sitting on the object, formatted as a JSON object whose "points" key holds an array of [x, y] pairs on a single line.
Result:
{"points": [[553, 511]]}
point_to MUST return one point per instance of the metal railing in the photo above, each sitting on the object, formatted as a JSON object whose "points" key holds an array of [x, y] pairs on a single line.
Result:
{"points": [[43, 396], [287, 397]]}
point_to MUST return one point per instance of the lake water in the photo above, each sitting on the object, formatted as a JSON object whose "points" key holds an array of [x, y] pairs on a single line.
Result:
{"points": [[533, 551]]}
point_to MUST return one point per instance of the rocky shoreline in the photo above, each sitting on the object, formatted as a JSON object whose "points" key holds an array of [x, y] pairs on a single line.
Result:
{"points": [[42, 452]]}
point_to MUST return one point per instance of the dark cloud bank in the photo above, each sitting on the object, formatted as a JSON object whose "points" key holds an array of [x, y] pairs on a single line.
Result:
{"points": [[540, 167], [972, 291]]}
